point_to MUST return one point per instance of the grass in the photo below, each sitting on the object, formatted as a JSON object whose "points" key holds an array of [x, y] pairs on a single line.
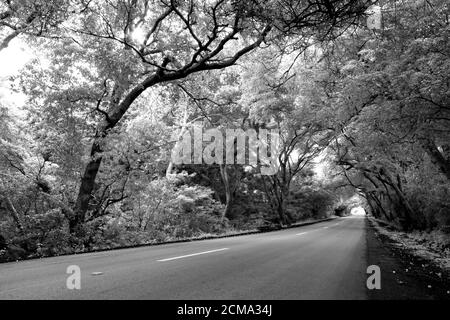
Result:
{"points": [[432, 246]]}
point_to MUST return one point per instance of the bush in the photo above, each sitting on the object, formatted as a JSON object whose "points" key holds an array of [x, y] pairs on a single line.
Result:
{"points": [[309, 203], [340, 210], [166, 211]]}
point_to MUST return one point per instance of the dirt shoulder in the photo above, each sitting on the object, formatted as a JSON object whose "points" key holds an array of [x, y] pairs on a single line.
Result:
{"points": [[404, 273]]}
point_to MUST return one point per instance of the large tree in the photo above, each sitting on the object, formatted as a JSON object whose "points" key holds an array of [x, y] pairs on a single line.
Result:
{"points": [[105, 54], [173, 39]]}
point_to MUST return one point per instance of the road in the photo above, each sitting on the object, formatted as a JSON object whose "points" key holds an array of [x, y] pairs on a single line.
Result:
{"points": [[326, 260]]}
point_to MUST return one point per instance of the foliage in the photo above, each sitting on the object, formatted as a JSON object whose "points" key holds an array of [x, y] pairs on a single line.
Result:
{"points": [[85, 163]]}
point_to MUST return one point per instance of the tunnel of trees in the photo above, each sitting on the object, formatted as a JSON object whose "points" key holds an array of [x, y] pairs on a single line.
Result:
{"points": [[105, 89]]}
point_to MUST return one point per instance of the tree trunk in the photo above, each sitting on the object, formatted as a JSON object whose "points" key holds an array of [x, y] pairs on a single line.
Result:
{"points": [[2, 242], [380, 206], [183, 130], [228, 195], [407, 219], [281, 213], [88, 179], [15, 215], [284, 190], [373, 208], [437, 157], [285, 217], [86, 188]]}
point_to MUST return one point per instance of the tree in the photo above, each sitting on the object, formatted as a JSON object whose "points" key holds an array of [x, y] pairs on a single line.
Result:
{"points": [[392, 93], [115, 79], [177, 39], [33, 17]]}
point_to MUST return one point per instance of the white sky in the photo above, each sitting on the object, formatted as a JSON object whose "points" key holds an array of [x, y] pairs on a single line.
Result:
{"points": [[12, 59]]}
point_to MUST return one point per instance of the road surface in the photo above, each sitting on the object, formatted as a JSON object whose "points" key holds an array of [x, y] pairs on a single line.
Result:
{"points": [[326, 260]]}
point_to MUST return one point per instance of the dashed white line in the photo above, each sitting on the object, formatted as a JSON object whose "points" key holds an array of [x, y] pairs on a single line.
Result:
{"points": [[191, 255], [299, 234], [325, 227]]}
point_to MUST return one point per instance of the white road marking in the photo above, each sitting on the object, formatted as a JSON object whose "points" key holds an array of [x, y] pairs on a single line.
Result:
{"points": [[299, 234], [191, 255], [325, 227]]}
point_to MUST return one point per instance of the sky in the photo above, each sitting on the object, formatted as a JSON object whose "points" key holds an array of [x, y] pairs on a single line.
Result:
{"points": [[12, 59]]}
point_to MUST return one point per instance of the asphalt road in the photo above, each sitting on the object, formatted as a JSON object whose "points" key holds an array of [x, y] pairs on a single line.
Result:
{"points": [[326, 260]]}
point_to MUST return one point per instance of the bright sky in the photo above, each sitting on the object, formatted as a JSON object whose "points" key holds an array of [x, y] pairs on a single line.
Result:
{"points": [[12, 59], [320, 165]]}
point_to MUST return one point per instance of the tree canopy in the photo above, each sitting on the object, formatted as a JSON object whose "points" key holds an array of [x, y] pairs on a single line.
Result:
{"points": [[112, 86]]}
